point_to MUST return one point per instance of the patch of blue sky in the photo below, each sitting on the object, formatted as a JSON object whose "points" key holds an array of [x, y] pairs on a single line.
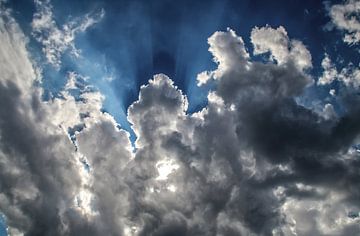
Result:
{"points": [[102, 76], [192, 55], [3, 227]]}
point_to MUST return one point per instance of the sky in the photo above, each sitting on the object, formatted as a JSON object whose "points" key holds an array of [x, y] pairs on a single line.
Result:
{"points": [[162, 117]]}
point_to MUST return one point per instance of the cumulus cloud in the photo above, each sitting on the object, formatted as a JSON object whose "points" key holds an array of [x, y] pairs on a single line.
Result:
{"points": [[34, 174], [252, 162], [41, 168], [56, 40], [344, 17], [280, 47], [349, 75], [330, 73]]}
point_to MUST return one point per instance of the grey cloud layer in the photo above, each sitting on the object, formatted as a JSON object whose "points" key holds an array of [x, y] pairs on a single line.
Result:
{"points": [[252, 162]]}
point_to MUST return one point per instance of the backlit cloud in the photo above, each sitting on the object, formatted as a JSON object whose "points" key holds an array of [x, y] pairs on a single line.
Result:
{"points": [[252, 161]]}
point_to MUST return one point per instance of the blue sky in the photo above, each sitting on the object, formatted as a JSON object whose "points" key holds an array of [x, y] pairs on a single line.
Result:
{"points": [[2, 225]]}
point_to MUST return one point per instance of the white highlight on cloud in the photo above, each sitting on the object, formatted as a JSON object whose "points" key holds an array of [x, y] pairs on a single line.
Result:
{"points": [[328, 112], [345, 17], [332, 92], [57, 40], [229, 44], [264, 39], [14, 53], [76, 81], [165, 167], [314, 217], [203, 78], [172, 188], [83, 202], [349, 75], [280, 47], [330, 73], [38, 130]]}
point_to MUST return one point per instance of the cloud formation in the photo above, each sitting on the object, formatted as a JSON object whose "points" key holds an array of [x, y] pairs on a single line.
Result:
{"points": [[56, 40], [349, 75], [345, 17], [252, 162]]}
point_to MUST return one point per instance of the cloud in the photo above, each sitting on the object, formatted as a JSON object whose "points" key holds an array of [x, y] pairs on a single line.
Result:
{"points": [[276, 130], [56, 40], [345, 17], [34, 176], [330, 73], [252, 162], [348, 75], [281, 48], [40, 166]]}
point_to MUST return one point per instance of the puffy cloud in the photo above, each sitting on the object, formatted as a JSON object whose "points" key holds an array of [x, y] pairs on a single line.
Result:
{"points": [[249, 163], [203, 77], [41, 168], [285, 138], [229, 44], [349, 75], [54, 39], [34, 174], [330, 73], [281, 49], [344, 17]]}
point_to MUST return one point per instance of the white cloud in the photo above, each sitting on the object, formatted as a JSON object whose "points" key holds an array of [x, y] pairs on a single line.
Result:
{"points": [[349, 75], [42, 167], [13, 51], [29, 169], [330, 73], [57, 40], [327, 216], [229, 44], [344, 17], [165, 167], [281, 48], [203, 78], [332, 92]]}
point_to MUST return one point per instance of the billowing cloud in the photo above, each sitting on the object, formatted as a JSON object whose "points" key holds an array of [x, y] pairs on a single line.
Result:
{"points": [[282, 50], [252, 162], [34, 173]]}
